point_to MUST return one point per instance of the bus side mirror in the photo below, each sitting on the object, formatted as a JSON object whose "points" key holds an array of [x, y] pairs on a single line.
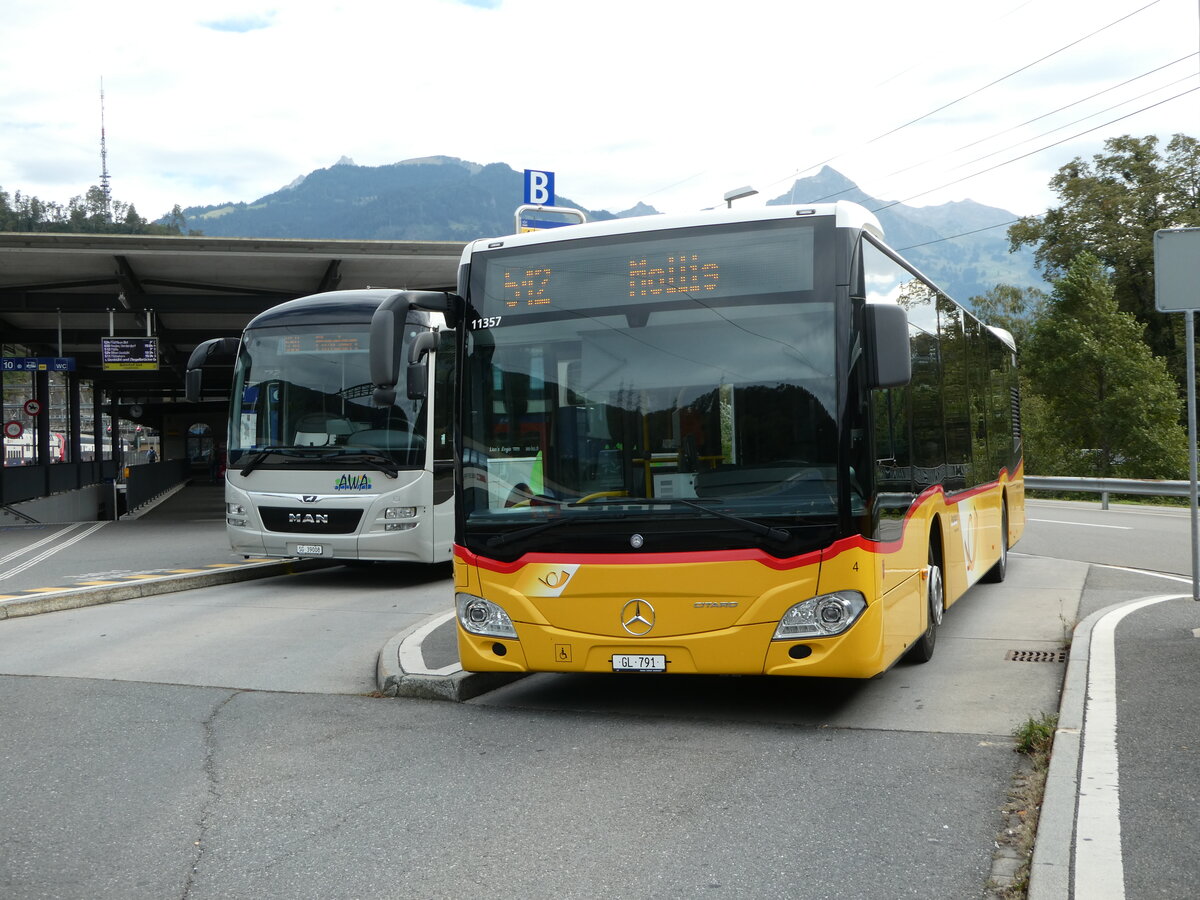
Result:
{"points": [[214, 350], [387, 338], [388, 327], [888, 354], [418, 365], [193, 382]]}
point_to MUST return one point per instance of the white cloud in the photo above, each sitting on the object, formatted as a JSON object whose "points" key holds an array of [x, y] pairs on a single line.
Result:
{"points": [[669, 102]]}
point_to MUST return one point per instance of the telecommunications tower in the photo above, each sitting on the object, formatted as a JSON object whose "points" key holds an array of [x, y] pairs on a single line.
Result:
{"points": [[104, 185]]}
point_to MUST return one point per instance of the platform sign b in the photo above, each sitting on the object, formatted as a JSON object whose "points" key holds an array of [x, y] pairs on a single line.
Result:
{"points": [[539, 188]]}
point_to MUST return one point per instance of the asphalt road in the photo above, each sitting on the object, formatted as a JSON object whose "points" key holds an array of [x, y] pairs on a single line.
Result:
{"points": [[1150, 538], [222, 743]]}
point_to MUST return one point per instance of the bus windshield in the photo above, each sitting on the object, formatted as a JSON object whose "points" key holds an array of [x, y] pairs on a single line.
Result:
{"points": [[695, 368], [302, 398]]}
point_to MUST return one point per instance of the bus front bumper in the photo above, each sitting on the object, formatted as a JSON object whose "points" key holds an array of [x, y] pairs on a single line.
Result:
{"points": [[742, 650]]}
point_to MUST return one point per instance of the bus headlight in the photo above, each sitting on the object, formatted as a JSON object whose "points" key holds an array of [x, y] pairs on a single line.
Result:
{"points": [[822, 616], [480, 616], [235, 514], [393, 513]]}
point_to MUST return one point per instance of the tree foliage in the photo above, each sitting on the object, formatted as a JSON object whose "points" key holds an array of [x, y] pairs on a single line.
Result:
{"points": [[88, 214], [1011, 308], [1099, 403], [1110, 207]]}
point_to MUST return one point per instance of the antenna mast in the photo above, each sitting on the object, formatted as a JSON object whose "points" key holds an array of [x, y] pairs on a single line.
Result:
{"points": [[104, 184]]}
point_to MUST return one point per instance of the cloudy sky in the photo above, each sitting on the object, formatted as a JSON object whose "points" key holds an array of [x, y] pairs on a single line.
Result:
{"points": [[671, 102]]}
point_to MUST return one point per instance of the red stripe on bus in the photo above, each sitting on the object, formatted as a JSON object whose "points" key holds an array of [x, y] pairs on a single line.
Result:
{"points": [[691, 557]]}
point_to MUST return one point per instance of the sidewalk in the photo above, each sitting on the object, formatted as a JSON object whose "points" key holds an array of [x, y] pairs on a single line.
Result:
{"points": [[179, 543]]}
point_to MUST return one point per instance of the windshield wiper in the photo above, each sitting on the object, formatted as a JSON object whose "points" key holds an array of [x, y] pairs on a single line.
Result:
{"points": [[499, 540], [384, 463], [774, 534], [259, 458]]}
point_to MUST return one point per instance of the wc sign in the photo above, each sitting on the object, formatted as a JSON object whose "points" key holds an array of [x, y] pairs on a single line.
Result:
{"points": [[539, 188]]}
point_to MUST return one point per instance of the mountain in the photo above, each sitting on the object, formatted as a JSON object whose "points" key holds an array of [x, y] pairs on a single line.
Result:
{"points": [[434, 198], [961, 246], [444, 198]]}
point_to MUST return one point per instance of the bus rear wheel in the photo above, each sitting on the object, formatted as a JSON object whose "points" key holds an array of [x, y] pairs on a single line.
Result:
{"points": [[996, 573], [935, 597]]}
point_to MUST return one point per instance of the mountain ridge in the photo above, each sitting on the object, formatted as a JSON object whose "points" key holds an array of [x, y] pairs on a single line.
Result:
{"points": [[960, 244]]}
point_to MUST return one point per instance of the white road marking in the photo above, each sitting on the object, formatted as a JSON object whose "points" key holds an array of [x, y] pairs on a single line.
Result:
{"points": [[1081, 524], [46, 554], [23, 550], [1099, 866], [411, 659]]}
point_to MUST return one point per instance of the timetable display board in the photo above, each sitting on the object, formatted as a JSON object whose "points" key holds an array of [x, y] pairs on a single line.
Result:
{"points": [[125, 353]]}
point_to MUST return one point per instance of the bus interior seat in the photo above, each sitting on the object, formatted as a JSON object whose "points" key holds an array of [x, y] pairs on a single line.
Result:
{"points": [[320, 430]]}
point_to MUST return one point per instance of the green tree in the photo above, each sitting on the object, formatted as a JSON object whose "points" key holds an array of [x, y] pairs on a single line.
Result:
{"points": [[1111, 208], [1103, 404], [1012, 308], [88, 213]]}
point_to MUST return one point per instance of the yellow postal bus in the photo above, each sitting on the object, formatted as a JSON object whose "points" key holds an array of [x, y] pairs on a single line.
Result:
{"points": [[751, 442]]}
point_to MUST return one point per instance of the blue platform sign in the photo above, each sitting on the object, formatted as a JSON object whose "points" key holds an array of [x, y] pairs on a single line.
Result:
{"points": [[38, 364], [539, 188]]}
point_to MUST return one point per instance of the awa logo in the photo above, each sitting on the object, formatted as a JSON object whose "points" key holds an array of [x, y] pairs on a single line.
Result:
{"points": [[353, 483]]}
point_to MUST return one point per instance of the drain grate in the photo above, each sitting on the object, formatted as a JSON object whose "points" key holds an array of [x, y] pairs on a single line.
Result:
{"points": [[1052, 656]]}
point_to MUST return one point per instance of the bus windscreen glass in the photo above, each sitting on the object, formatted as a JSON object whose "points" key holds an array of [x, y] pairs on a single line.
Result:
{"points": [[305, 390], [697, 366]]}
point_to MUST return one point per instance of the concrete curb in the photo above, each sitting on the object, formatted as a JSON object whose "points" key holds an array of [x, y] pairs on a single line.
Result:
{"points": [[455, 686], [75, 598], [1050, 869]]}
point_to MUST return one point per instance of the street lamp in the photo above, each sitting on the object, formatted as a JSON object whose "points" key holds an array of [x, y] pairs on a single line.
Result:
{"points": [[738, 194]]}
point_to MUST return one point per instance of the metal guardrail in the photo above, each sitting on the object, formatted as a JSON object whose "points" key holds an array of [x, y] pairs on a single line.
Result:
{"points": [[146, 481], [1144, 487]]}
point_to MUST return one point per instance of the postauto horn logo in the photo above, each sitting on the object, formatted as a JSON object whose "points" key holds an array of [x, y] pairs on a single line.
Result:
{"points": [[353, 483]]}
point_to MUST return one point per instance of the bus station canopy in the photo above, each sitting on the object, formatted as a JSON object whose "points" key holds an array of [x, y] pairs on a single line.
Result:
{"points": [[61, 293]]}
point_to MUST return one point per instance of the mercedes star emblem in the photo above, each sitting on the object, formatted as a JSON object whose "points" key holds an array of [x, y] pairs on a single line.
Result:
{"points": [[637, 617]]}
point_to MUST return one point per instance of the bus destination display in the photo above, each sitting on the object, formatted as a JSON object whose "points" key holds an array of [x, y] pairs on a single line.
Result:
{"points": [[322, 343], [710, 264]]}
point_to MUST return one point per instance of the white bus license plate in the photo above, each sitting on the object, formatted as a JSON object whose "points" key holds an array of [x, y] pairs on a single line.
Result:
{"points": [[309, 550], [639, 662]]}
